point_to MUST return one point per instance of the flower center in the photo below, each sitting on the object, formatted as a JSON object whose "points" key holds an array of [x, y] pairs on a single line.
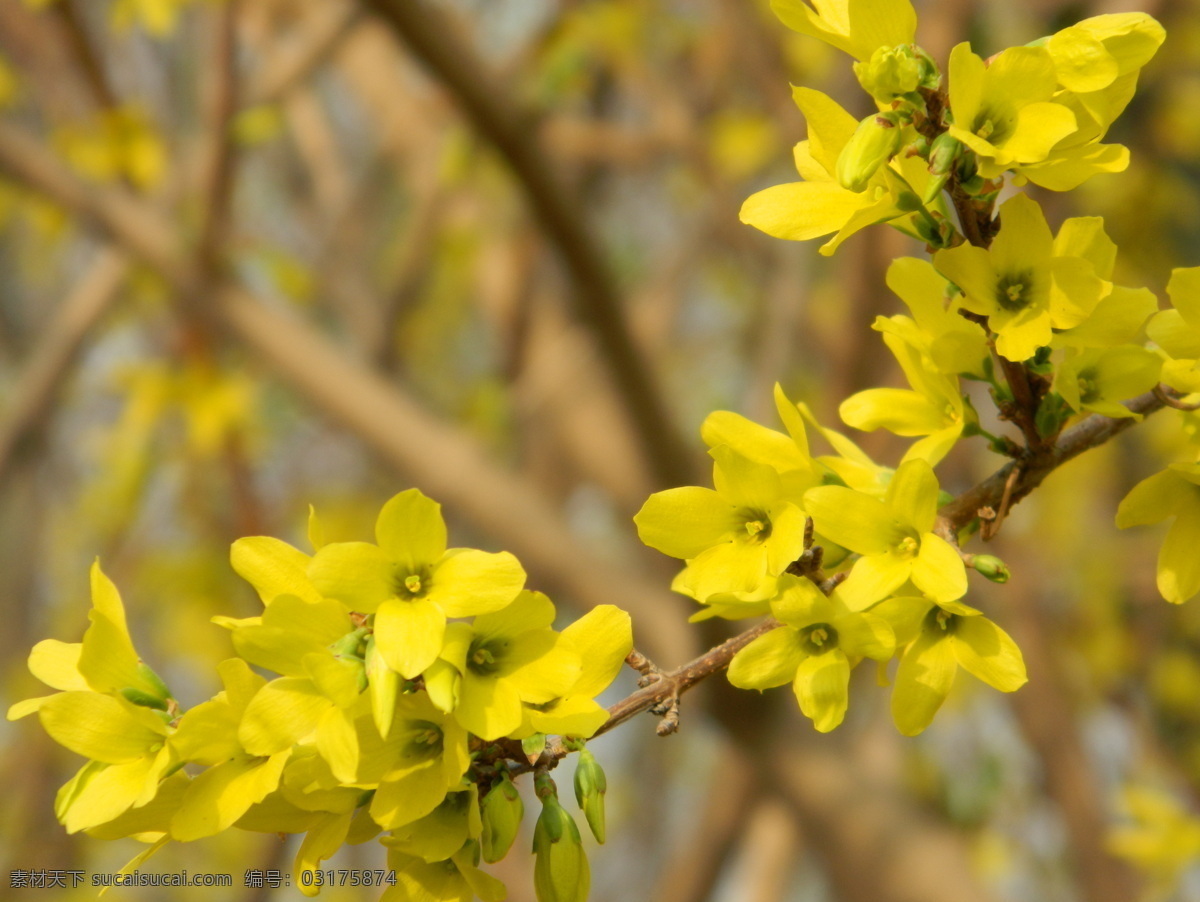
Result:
{"points": [[1088, 391], [818, 638], [940, 621], [908, 547], [757, 525], [486, 658], [408, 585], [424, 740], [1014, 291]]}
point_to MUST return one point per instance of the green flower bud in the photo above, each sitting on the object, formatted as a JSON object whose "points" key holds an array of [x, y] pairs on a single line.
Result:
{"points": [[501, 810], [991, 567], [873, 143], [560, 871], [943, 153], [384, 686], [891, 71], [533, 746], [144, 699], [146, 672], [590, 786]]}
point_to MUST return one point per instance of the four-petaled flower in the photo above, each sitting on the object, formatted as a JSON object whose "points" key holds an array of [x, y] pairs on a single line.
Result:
{"points": [[894, 536], [1022, 284], [815, 649], [412, 583]]}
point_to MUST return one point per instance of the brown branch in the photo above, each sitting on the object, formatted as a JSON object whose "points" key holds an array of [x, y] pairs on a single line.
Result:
{"points": [[1023, 410], [427, 34], [1092, 432], [48, 366], [665, 688], [83, 50], [216, 186], [290, 67]]}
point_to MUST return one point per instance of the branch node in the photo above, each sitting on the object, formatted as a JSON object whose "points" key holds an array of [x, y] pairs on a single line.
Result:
{"points": [[670, 716], [650, 672]]}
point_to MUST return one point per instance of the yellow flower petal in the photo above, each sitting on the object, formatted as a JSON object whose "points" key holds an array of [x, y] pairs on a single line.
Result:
{"points": [[56, 664], [101, 727], [988, 653], [222, 794], [409, 634], [822, 688], [923, 681], [273, 567], [411, 531]]}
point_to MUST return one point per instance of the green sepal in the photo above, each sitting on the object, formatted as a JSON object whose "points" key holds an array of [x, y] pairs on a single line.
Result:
{"points": [[145, 699], [1052, 413], [146, 672]]}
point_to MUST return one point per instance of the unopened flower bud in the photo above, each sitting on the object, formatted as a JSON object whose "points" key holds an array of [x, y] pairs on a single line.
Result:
{"points": [[991, 567], [590, 786], [533, 746], [501, 810], [943, 154], [891, 71], [873, 143], [560, 871]]}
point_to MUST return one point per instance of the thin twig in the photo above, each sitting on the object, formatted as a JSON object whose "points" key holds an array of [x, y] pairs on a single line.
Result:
{"points": [[1171, 399], [672, 684], [1092, 432]]}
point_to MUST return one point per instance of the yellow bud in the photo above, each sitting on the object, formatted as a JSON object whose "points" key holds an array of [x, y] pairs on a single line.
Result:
{"points": [[891, 71]]}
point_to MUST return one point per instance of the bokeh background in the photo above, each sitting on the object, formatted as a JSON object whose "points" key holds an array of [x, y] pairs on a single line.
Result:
{"points": [[262, 254]]}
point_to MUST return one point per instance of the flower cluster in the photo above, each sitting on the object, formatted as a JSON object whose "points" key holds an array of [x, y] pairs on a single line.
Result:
{"points": [[756, 543], [1038, 112], [413, 678]]}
